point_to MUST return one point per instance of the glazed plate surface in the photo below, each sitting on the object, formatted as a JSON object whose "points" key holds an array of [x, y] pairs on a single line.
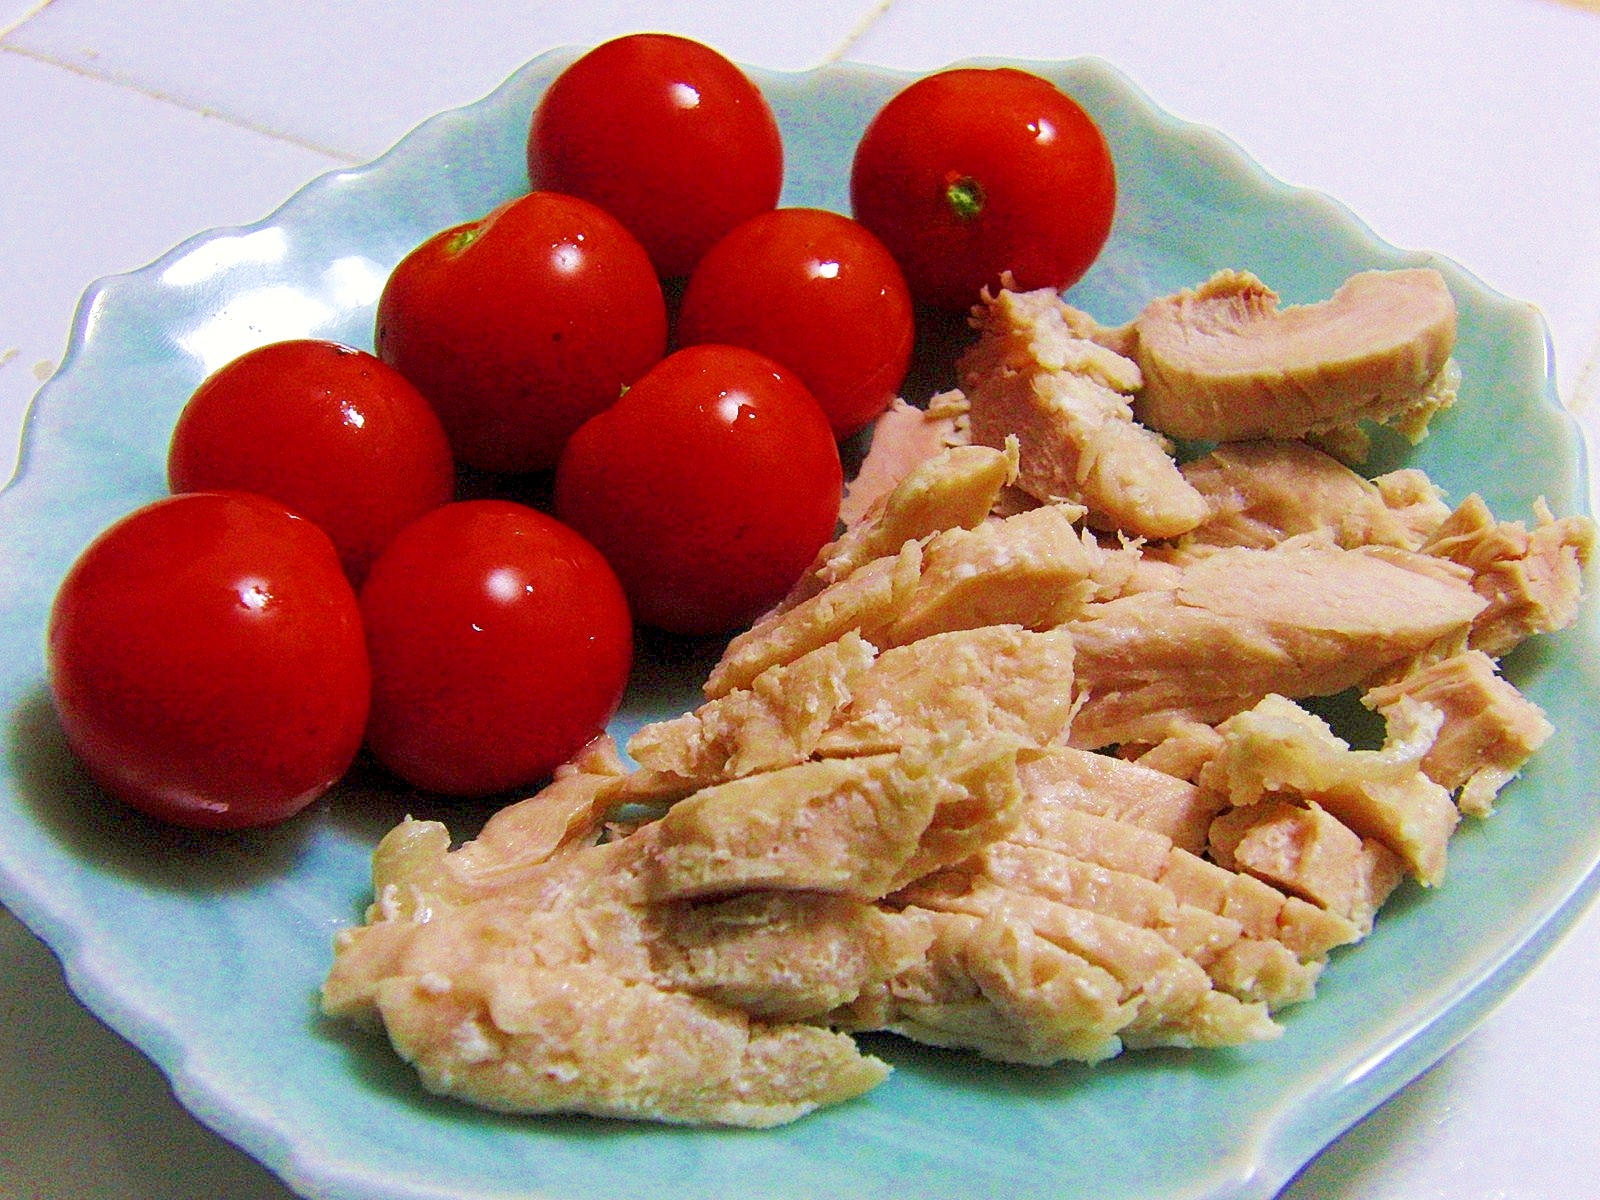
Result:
{"points": [[206, 951]]}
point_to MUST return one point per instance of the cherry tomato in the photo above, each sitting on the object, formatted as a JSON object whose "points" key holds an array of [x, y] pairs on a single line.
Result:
{"points": [[500, 643], [709, 487], [665, 134], [972, 172], [332, 432], [207, 662], [520, 326], [817, 292]]}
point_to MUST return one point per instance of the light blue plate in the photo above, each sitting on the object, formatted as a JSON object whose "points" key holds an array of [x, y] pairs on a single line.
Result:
{"points": [[207, 951]]}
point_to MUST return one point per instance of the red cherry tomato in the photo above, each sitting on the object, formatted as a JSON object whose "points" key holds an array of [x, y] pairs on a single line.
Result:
{"points": [[709, 487], [500, 644], [332, 432], [665, 134], [816, 292], [207, 662], [520, 326], [972, 172]]}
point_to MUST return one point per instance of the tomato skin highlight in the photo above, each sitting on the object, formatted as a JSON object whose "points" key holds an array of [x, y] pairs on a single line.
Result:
{"points": [[972, 172], [520, 326], [500, 644], [664, 133], [207, 662], [818, 293], [709, 487], [332, 432]]}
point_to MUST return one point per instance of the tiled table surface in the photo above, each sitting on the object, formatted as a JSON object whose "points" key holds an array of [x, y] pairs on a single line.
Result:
{"points": [[1470, 127]]}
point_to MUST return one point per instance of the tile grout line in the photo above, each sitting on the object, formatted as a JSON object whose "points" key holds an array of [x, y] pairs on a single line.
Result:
{"points": [[25, 18], [859, 30], [79, 69]]}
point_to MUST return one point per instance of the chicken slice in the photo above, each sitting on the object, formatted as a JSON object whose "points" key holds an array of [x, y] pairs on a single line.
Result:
{"points": [[955, 489], [1531, 580], [776, 722], [855, 827], [902, 438], [1489, 731], [1279, 750], [1062, 776], [1264, 492], [866, 602], [999, 988], [1299, 620], [1033, 569], [1068, 402], [1222, 362], [1304, 850], [578, 1039], [997, 680]]}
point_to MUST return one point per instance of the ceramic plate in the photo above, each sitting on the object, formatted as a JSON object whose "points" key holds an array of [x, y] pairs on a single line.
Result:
{"points": [[207, 951]]}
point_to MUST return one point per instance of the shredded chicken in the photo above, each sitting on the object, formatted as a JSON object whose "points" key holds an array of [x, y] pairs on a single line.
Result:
{"points": [[1020, 765], [1224, 363]]}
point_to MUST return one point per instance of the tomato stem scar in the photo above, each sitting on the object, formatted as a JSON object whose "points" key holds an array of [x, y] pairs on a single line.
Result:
{"points": [[965, 196]]}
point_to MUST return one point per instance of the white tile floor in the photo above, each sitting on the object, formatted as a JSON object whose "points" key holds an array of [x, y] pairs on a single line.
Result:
{"points": [[1467, 126]]}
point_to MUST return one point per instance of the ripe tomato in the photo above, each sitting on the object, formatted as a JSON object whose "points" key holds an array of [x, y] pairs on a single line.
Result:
{"points": [[520, 326], [332, 432], [207, 662], [971, 172], [500, 643], [665, 134], [709, 487], [816, 292]]}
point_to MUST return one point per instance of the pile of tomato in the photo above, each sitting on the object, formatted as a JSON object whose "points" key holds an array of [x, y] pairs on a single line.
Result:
{"points": [[315, 586]]}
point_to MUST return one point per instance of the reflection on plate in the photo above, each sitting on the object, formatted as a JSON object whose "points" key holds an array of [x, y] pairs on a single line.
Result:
{"points": [[207, 951]]}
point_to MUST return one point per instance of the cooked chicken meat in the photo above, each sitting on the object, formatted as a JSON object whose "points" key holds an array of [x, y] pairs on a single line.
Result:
{"points": [[1223, 362], [1018, 766], [1068, 401]]}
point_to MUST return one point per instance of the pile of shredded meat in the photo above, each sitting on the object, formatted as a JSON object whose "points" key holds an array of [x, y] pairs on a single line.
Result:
{"points": [[1023, 764]]}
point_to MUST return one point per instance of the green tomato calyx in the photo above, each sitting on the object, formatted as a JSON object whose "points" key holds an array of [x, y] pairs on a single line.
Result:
{"points": [[965, 196]]}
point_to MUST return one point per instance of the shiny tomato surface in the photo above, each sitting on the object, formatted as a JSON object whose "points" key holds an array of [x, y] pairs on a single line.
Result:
{"points": [[665, 134], [974, 172], [816, 292], [207, 662], [500, 643], [520, 326], [335, 434], [709, 487]]}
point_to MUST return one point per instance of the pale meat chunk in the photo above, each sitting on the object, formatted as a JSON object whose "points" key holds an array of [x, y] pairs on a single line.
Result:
{"points": [[955, 489], [1222, 362], [997, 987], [997, 680], [1278, 749], [1033, 569], [1124, 791], [1174, 1003], [1306, 851], [617, 1009], [1489, 732], [858, 827], [904, 437], [866, 602], [1261, 493], [1531, 580], [1299, 620], [776, 722], [578, 1039], [1268, 972], [782, 956], [1068, 402]]}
